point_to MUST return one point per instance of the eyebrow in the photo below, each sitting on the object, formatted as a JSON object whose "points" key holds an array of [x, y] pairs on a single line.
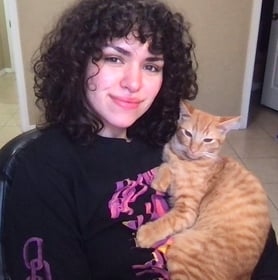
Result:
{"points": [[128, 53]]}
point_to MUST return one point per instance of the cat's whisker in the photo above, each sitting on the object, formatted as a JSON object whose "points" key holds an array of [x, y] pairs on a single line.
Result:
{"points": [[210, 155]]}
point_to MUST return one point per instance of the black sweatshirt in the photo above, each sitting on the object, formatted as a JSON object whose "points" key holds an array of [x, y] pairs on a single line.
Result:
{"points": [[72, 212]]}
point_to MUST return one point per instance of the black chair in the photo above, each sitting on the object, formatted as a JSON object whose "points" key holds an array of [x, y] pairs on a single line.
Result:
{"points": [[8, 156]]}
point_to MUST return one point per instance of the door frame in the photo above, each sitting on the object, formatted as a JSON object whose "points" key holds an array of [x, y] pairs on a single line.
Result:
{"points": [[11, 13], [250, 62]]}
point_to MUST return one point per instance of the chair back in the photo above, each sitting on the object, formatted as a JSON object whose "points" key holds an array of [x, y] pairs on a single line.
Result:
{"points": [[8, 156]]}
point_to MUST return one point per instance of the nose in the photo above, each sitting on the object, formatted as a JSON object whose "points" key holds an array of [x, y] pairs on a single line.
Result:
{"points": [[132, 78], [194, 147]]}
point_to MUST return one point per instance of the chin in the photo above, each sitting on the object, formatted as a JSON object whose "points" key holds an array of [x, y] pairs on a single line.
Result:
{"points": [[125, 123]]}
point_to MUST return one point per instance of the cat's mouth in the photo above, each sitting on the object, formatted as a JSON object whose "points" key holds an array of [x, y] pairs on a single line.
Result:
{"points": [[197, 156], [190, 155], [193, 157]]}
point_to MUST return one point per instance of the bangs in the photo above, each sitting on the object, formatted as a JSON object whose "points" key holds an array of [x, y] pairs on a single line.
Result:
{"points": [[133, 19]]}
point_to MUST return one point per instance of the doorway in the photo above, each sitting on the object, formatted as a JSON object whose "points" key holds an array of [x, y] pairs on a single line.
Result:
{"points": [[6, 65], [10, 9], [260, 59]]}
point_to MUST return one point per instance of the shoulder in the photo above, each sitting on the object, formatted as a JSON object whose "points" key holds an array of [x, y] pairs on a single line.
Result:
{"points": [[48, 164], [51, 147], [50, 140]]}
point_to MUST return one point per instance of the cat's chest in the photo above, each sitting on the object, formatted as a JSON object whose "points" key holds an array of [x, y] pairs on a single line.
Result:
{"points": [[178, 165], [182, 169]]}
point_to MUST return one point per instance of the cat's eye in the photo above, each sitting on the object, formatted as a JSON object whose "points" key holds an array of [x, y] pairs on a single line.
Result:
{"points": [[187, 133], [207, 140]]}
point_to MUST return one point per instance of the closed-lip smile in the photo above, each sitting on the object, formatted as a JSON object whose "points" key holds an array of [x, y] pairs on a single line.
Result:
{"points": [[126, 103]]}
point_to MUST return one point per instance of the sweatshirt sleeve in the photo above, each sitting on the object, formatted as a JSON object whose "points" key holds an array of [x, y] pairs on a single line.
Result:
{"points": [[42, 237], [267, 267]]}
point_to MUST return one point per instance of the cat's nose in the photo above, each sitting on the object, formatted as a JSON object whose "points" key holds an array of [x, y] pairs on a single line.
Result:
{"points": [[194, 148], [191, 154]]}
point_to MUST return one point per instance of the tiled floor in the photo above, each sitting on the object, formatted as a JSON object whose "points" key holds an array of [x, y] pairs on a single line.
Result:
{"points": [[256, 147]]}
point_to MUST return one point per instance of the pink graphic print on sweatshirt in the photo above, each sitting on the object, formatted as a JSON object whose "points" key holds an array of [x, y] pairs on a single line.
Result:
{"points": [[122, 201], [39, 268]]}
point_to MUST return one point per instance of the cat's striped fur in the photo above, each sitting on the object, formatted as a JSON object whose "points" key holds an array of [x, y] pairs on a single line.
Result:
{"points": [[219, 217]]}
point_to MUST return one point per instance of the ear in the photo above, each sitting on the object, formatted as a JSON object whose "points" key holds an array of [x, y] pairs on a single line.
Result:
{"points": [[228, 123], [185, 110]]}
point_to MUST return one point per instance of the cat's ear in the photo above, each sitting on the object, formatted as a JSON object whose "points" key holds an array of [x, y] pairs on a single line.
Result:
{"points": [[228, 123], [185, 110]]}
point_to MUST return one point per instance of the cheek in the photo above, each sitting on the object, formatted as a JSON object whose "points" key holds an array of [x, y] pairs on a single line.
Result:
{"points": [[182, 138], [214, 147], [91, 78], [97, 78], [99, 82], [153, 88], [91, 99], [90, 85]]}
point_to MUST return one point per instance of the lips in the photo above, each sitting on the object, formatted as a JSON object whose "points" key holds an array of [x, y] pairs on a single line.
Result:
{"points": [[126, 103]]}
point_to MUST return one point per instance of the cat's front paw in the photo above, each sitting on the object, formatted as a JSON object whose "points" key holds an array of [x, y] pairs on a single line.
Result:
{"points": [[146, 236], [158, 186]]}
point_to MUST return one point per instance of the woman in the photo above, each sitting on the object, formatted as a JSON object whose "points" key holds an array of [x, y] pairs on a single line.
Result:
{"points": [[109, 79]]}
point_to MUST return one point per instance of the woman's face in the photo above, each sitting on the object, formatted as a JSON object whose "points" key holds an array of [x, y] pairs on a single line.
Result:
{"points": [[126, 85]]}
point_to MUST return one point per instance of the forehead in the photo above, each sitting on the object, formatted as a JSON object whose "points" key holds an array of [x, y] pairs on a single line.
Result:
{"points": [[130, 42]]}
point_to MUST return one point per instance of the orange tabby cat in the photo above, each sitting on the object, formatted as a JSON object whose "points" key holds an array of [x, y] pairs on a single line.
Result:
{"points": [[219, 217]]}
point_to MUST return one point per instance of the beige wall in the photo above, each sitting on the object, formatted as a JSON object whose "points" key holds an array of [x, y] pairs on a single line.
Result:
{"points": [[4, 46], [220, 29], [33, 24]]}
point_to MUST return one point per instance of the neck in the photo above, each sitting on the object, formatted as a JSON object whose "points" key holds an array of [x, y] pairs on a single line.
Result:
{"points": [[120, 133]]}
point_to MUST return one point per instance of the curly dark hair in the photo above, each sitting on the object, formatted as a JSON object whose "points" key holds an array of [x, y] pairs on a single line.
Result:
{"points": [[81, 33]]}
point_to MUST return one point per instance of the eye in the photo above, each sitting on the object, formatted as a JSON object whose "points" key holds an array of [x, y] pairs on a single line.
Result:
{"points": [[153, 68], [112, 59], [208, 140], [187, 133]]}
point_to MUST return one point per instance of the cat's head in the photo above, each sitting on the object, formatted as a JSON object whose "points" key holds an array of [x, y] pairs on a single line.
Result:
{"points": [[200, 134]]}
